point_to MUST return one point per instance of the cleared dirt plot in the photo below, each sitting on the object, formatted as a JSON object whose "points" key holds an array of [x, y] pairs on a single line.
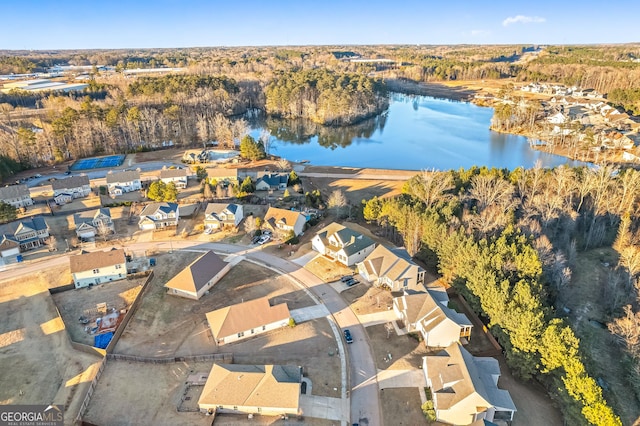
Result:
{"points": [[401, 406], [374, 299], [406, 351], [166, 325], [37, 362], [131, 393], [73, 304]]}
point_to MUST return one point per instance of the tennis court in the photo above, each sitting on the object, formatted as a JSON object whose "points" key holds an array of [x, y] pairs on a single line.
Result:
{"points": [[98, 162]]}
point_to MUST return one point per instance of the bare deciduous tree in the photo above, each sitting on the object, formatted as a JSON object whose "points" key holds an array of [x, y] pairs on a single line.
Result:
{"points": [[337, 200]]}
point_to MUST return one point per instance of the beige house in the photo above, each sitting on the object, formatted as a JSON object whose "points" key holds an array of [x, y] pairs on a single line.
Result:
{"points": [[159, 216], [16, 195], [177, 176], [283, 221], [428, 314], [270, 390], [98, 267], [75, 186], [237, 322], [342, 244], [223, 175], [197, 278], [90, 223], [220, 215], [392, 268], [465, 388]]}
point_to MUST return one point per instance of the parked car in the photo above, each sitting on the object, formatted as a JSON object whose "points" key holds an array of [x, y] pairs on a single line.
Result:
{"points": [[347, 336], [255, 239], [264, 239], [351, 282], [346, 278]]}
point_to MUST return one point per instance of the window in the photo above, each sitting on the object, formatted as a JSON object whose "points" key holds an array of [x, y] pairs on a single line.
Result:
{"points": [[264, 327], [235, 408], [95, 271], [118, 266], [252, 332], [241, 334]]}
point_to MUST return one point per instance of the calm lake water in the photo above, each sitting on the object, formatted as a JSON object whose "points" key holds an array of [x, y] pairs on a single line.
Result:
{"points": [[417, 132]]}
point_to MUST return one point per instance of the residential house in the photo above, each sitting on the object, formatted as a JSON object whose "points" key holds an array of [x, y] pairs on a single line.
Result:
{"points": [[465, 389], [428, 314], [221, 215], [197, 278], [63, 198], [119, 183], [29, 233], [272, 182], [558, 118], [392, 268], [177, 176], [98, 267], [237, 322], [16, 195], [223, 175], [270, 390], [159, 216], [90, 223], [9, 246], [76, 186], [342, 244], [282, 221]]}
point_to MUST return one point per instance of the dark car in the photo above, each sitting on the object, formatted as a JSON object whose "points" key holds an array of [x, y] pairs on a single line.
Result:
{"points": [[351, 282], [347, 336], [346, 278]]}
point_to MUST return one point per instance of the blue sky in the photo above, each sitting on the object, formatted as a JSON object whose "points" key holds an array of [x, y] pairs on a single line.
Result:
{"points": [[65, 24]]}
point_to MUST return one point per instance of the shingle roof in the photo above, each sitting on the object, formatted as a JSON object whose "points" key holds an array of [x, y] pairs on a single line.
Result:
{"points": [[13, 191], [198, 273], [393, 264], [217, 208], [172, 173], [287, 217], [245, 316], [95, 260], [127, 176], [70, 182], [274, 180], [36, 223], [272, 386], [152, 208], [89, 215], [7, 242], [426, 307]]}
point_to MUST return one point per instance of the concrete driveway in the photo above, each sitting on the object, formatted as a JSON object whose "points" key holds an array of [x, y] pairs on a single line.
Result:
{"points": [[322, 407], [383, 317], [401, 379], [309, 313]]}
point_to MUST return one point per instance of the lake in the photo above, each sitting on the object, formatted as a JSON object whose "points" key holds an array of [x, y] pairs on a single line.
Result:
{"points": [[415, 133]]}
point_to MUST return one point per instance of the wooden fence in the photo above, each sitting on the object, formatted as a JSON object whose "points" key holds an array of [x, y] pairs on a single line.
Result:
{"points": [[226, 358]]}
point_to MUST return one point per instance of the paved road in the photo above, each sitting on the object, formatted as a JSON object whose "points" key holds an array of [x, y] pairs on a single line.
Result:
{"points": [[365, 405], [365, 176]]}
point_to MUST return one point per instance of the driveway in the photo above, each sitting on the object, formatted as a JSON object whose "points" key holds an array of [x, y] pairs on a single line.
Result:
{"points": [[305, 258], [401, 379], [367, 320], [322, 407], [309, 313]]}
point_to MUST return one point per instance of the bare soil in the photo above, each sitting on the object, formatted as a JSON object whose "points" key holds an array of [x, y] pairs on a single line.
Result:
{"points": [[355, 190], [406, 351], [375, 299], [326, 269], [401, 406]]}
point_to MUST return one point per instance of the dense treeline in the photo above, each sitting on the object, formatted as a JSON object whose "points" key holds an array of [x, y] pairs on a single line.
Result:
{"points": [[508, 242], [15, 65], [181, 83], [325, 97], [629, 99]]}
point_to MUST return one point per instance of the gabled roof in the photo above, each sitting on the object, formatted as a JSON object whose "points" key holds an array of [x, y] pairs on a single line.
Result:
{"points": [[455, 375], [393, 264], [12, 228], [172, 173], [273, 386], [274, 179], [198, 273], [95, 260], [427, 308], [13, 191], [153, 208], [350, 241], [218, 172], [287, 217], [214, 209], [89, 215], [7, 242], [245, 316], [70, 182], [126, 176]]}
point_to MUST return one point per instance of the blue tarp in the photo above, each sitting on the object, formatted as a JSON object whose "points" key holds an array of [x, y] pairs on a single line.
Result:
{"points": [[102, 340]]}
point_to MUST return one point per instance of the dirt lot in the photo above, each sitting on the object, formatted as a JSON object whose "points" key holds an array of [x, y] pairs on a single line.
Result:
{"points": [[326, 269], [355, 190], [401, 406], [38, 364], [367, 300], [406, 351], [82, 302]]}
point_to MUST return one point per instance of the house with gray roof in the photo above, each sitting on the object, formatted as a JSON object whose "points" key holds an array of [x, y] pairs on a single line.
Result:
{"points": [[159, 216], [29, 233], [90, 223], [392, 268], [272, 181], [98, 267], [120, 182], [8, 246], [220, 215], [198, 278], [428, 314], [177, 176], [16, 195], [75, 186], [342, 244], [465, 389]]}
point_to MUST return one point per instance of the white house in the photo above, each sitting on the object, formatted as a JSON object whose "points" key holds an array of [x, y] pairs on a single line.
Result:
{"points": [[28, 233], [428, 314], [98, 267], [197, 278], [220, 215], [159, 216], [90, 223], [392, 268], [270, 390], [16, 195], [558, 118], [120, 182], [272, 181], [241, 321], [342, 244], [465, 389], [76, 186], [282, 221], [177, 176]]}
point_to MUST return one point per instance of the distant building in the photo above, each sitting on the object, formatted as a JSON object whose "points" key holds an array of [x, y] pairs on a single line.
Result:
{"points": [[197, 278], [177, 176], [16, 195], [98, 267], [120, 182], [342, 244], [270, 390], [44, 85], [273, 182], [159, 216]]}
